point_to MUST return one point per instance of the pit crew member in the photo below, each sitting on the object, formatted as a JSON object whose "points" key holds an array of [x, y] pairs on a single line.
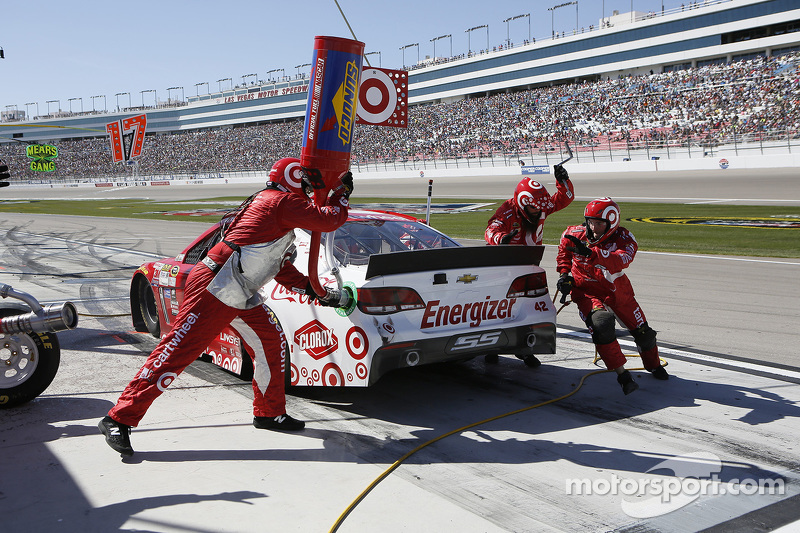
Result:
{"points": [[591, 261], [223, 289], [520, 219]]}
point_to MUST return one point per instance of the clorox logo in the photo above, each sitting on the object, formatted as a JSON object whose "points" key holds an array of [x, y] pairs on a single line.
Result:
{"points": [[345, 102], [316, 340]]}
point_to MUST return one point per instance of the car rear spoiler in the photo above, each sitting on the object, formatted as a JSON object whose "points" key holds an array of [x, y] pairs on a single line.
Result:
{"points": [[449, 258]]}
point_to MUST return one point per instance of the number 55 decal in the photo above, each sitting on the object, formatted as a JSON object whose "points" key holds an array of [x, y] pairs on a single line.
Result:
{"points": [[477, 340]]}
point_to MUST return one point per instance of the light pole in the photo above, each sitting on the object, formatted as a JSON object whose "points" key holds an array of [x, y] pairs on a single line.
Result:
{"points": [[298, 67], [70, 103], [171, 88], [219, 81], [276, 70], [403, 48], [104, 101], [32, 103], [509, 19], [442, 37], [553, 9], [254, 75], [120, 94], [197, 87], [373, 53], [155, 104], [50, 102], [469, 33]]}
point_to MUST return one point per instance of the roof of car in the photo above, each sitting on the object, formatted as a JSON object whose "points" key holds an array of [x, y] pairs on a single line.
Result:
{"points": [[369, 214]]}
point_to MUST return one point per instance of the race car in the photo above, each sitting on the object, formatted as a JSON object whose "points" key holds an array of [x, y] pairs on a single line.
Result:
{"points": [[418, 297]]}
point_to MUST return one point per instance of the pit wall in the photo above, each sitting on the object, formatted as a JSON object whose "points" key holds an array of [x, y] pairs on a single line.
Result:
{"points": [[719, 162]]}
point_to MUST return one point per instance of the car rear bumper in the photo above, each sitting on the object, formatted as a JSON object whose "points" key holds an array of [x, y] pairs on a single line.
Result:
{"points": [[520, 341]]}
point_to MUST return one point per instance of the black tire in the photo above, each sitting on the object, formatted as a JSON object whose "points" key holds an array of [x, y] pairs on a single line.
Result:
{"points": [[246, 372], [148, 309], [28, 364]]}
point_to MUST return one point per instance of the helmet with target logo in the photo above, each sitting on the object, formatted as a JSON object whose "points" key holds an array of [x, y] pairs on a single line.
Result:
{"points": [[287, 175], [602, 209], [531, 193]]}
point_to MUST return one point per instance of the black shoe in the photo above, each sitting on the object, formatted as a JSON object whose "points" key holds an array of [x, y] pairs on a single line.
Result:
{"points": [[532, 361], [626, 380], [491, 358], [117, 435], [282, 422], [660, 373]]}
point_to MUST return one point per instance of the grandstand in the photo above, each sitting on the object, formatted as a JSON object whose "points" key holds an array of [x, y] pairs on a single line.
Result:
{"points": [[711, 73]]}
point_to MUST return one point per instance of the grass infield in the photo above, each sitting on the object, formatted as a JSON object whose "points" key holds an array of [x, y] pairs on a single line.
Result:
{"points": [[656, 226]]}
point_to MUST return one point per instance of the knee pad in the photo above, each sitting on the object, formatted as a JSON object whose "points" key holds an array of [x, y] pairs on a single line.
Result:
{"points": [[645, 337], [602, 324]]}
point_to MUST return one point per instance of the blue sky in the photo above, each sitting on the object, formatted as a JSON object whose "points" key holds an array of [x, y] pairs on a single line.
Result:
{"points": [[72, 51]]}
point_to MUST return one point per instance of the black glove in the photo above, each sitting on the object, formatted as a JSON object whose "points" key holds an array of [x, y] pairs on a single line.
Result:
{"points": [[347, 183], [505, 239], [561, 174], [580, 247], [565, 283], [4, 174]]}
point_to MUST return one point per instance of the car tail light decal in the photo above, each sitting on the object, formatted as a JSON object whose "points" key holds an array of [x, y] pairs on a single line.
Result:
{"points": [[386, 300], [530, 285]]}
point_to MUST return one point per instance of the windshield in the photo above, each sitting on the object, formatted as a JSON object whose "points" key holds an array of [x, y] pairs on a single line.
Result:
{"points": [[355, 241]]}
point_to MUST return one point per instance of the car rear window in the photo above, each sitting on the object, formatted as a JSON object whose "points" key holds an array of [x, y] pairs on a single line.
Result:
{"points": [[355, 241]]}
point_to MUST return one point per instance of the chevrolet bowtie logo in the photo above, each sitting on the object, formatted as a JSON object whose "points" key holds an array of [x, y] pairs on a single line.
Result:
{"points": [[467, 278]]}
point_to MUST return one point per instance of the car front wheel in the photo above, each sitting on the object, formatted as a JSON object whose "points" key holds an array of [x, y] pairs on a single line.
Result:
{"points": [[148, 309]]}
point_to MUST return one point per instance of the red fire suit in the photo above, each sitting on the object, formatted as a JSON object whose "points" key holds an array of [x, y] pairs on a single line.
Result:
{"points": [[600, 283], [270, 216], [509, 217]]}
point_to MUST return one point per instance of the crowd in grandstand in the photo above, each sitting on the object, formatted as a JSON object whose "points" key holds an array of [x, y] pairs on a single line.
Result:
{"points": [[702, 104]]}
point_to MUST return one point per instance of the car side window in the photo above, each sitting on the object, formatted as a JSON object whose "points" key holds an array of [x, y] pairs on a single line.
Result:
{"points": [[199, 251]]}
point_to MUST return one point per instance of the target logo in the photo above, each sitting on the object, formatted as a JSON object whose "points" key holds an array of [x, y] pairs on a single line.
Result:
{"points": [[356, 342], [332, 375], [383, 98], [166, 380]]}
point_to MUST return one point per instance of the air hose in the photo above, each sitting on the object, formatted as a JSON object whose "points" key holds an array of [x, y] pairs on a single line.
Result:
{"points": [[400, 461]]}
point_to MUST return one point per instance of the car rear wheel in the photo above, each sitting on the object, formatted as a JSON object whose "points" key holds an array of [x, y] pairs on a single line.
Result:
{"points": [[28, 364], [148, 309]]}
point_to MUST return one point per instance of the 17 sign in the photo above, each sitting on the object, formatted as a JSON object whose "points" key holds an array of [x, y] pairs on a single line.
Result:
{"points": [[127, 137]]}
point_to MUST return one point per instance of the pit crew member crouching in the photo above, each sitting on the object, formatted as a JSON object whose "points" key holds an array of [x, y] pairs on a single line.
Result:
{"points": [[591, 260]]}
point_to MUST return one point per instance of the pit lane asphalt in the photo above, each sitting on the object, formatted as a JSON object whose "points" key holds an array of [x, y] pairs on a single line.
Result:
{"points": [[200, 466]]}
